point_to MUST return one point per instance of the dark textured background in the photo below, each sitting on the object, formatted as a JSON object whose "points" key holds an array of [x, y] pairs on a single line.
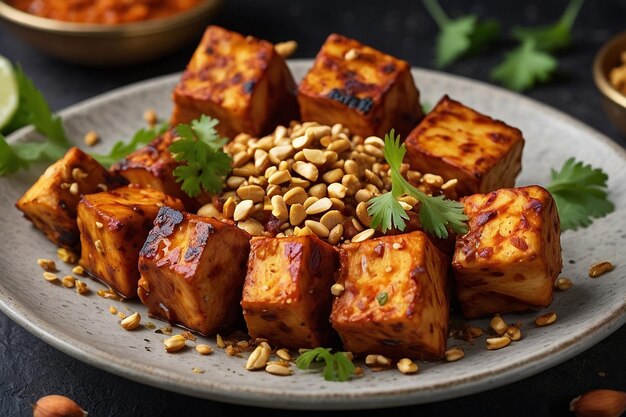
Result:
{"points": [[30, 369]]}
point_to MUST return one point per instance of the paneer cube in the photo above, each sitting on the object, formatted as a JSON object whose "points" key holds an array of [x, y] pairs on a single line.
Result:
{"points": [[153, 166], [192, 271], [366, 90], [286, 295], [511, 256], [240, 80], [113, 227], [455, 141], [395, 298], [51, 202]]}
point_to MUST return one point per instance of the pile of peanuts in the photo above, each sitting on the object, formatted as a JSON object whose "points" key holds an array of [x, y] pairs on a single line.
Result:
{"points": [[311, 179]]}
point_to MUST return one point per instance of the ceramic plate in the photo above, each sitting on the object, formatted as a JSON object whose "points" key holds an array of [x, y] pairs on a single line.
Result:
{"points": [[82, 326]]}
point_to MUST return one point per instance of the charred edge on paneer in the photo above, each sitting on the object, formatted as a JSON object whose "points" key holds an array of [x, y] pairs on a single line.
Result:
{"points": [[511, 256], [240, 80], [369, 92], [455, 141], [153, 166], [51, 202], [286, 296], [192, 271], [395, 299], [113, 227]]}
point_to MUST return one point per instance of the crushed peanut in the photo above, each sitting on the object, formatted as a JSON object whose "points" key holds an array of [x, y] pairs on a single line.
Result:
{"points": [[495, 343], [81, 287], [112, 309], [197, 370], [286, 49], [498, 325], [150, 116], [600, 268], [563, 284], [74, 188], [337, 289], [407, 366], [204, 349], [68, 281], [131, 322], [174, 343], [617, 75], [220, 341], [47, 265], [50, 277], [91, 138], [546, 319], [78, 270], [67, 256], [513, 333], [284, 354], [276, 369], [454, 354], [258, 358]]}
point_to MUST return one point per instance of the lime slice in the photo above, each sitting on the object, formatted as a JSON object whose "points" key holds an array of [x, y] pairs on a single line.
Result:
{"points": [[9, 96]]}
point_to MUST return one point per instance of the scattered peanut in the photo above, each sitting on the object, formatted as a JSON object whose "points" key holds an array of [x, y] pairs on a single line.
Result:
{"points": [[600, 268], [174, 343], [546, 319], [57, 406], [131, 322]]}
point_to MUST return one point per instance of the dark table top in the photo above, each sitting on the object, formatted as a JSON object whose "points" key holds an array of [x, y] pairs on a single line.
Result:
{"points": [[30, 369]]}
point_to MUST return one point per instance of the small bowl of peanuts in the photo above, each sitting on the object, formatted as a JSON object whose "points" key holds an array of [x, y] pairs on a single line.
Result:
{"points": [[609, 74]]}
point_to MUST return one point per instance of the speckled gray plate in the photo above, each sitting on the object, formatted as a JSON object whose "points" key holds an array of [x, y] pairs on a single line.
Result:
{"points": [[82, 326]]}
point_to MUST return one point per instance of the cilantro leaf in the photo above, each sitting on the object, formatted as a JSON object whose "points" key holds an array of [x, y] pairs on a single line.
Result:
{"points": [[121, 149], [580, 194], [552, 37], [436, 213], [460, 36], [524, 66], [205, 163], [337, 366]]}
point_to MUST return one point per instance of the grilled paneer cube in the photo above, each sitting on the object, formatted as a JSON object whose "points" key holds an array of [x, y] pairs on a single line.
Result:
{"points": [[366, 90], [51, 202], [240, 80], [395, 298], [286, 295], [511, 256], [113, 227], [192, 271], [455, 141], [153, 166]]}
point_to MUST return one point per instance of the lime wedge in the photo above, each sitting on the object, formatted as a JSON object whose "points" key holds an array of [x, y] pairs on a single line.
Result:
{"points": [[9, 95]]}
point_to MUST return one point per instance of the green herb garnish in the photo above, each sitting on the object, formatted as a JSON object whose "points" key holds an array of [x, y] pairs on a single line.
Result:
{"points": [[200, 149], [121, 149], [337, 366], [461, 36], [555, 36], [436, 213], [580, 194], [524, 67], [382, 298]]}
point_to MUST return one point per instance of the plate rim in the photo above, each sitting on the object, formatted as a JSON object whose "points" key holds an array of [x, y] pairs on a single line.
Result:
{"points": [[266, 397]]}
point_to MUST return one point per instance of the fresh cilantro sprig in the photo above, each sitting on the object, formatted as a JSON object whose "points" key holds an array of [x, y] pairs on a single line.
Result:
{"points": [[461, 36], [121, 148], [580, 194], [531, 62], [337, 366], [205, 164], [524, 66], [552, 37], [436, 213]]}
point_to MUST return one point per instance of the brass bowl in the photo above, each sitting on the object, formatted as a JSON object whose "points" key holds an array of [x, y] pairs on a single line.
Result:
{"points": [[613, 101], [109, 45]]}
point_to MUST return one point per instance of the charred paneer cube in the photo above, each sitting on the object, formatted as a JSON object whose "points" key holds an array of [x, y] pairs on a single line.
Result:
{"points": [[192, 271], [240, 80], [395, 297], [51, 202], [511, 255], [286, 295], [366, 90], [454, 141], [113, 227], [153, 166]]}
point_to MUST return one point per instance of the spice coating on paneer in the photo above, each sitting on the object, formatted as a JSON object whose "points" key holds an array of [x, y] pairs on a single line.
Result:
{"points": [[286, 296], [511, 256], [395, 299], [455, 141], [153, 166], [113, 227], [364, 89], [240, 80], [192, 271], [51, 202]]}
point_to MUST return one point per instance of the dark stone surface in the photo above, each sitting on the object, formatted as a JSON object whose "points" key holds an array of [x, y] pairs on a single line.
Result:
{"points": [[30, 369]]}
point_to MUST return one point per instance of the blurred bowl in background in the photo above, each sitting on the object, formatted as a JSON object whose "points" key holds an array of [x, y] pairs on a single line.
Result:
{"points": [[109, 45], [613, 101]]}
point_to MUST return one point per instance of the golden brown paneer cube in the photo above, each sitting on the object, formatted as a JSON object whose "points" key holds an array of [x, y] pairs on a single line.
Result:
{"points": [[366, 90], [51, 202], [511, 255], [192, 271], [454, 141], [240, 80], [395, 298], [286, 295], [113, 227]]}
